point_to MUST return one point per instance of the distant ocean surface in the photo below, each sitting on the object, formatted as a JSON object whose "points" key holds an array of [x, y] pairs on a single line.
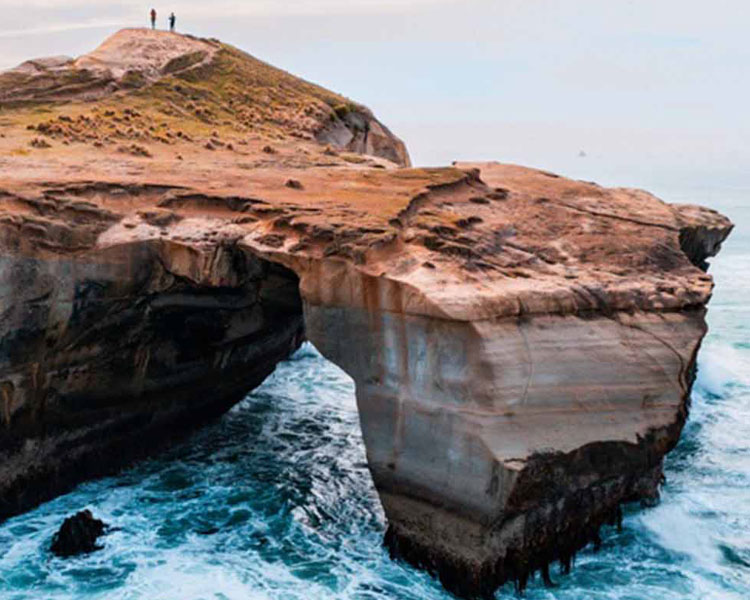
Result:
{"points": [[274, 500]]}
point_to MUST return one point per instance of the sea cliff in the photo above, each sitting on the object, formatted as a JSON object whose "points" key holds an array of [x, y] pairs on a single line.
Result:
{"points": [[176, 217]]}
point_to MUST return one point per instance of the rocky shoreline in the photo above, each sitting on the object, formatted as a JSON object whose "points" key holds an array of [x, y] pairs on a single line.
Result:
{"points": [[523, 345]]}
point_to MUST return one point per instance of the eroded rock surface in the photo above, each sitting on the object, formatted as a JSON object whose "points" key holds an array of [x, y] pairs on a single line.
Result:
{"points": [[523, 345]]}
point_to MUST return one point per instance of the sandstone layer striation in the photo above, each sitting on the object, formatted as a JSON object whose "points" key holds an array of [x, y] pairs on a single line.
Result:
{"points": [[523, 345]]}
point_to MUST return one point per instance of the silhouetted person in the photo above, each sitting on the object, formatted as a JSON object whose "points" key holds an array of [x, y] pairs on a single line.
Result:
{"points": [[153, 18], [172, 20]]}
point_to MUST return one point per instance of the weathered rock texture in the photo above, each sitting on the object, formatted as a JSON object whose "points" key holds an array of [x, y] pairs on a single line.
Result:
{"points": [[523, 345]]}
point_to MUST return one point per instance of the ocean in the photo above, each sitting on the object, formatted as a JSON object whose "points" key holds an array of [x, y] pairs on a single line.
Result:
{"points": [[274, 500]]}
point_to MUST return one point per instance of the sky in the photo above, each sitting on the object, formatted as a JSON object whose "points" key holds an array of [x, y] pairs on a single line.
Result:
{"points": [[648, 93]]}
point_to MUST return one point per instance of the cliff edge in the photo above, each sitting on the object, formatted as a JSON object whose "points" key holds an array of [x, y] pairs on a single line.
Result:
{"points": [[175, 217]]}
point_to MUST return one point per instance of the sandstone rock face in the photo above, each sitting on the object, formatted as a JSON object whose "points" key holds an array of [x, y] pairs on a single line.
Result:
{"points": [[105, 355], [523, 345], [508, 418], [358, 131]]}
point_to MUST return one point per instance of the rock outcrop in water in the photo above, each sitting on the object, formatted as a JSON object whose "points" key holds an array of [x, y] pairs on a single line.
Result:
{"points": [[78, 535], [523, 345]]}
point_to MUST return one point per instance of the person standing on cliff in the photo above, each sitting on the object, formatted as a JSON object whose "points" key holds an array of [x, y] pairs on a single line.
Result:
{"points": [[172, 20], [153, 18]]}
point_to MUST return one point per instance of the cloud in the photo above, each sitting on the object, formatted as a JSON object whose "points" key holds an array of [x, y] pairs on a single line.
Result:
{"points": [[59, 27], [233, 8], [72, 15], [308, 7]]}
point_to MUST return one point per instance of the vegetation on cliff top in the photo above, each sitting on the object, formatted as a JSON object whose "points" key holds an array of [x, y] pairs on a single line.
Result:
{"points": [[212, 93]]}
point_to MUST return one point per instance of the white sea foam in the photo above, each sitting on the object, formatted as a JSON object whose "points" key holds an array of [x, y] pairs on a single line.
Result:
{"points": [[720, 365], [678, 530]]}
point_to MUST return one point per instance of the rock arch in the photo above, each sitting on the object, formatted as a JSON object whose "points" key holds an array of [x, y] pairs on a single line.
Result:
{"points": [[522, 346]]}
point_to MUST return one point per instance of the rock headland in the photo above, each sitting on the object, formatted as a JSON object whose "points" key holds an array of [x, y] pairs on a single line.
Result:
{"points": [[177, 216]]}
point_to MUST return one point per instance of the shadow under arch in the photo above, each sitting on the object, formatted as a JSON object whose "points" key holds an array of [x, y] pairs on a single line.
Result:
{"points": [[129, 349]]}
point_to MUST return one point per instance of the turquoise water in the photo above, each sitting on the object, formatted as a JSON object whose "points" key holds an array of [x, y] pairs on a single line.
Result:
{"points": [[275, 500]]}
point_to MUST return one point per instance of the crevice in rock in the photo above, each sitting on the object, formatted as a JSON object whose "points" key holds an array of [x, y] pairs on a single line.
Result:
{"points": [[700, 242]]}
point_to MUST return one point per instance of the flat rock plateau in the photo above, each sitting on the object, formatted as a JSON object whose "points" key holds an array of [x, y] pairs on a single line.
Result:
{"points": [[176, 217]]}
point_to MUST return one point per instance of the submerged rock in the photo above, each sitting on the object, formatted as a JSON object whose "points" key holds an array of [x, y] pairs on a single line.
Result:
{"points": [[523, 345], [78, 535]]}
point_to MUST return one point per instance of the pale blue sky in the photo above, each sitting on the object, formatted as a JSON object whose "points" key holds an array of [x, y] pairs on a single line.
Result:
{"points": [[656, 92]]}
